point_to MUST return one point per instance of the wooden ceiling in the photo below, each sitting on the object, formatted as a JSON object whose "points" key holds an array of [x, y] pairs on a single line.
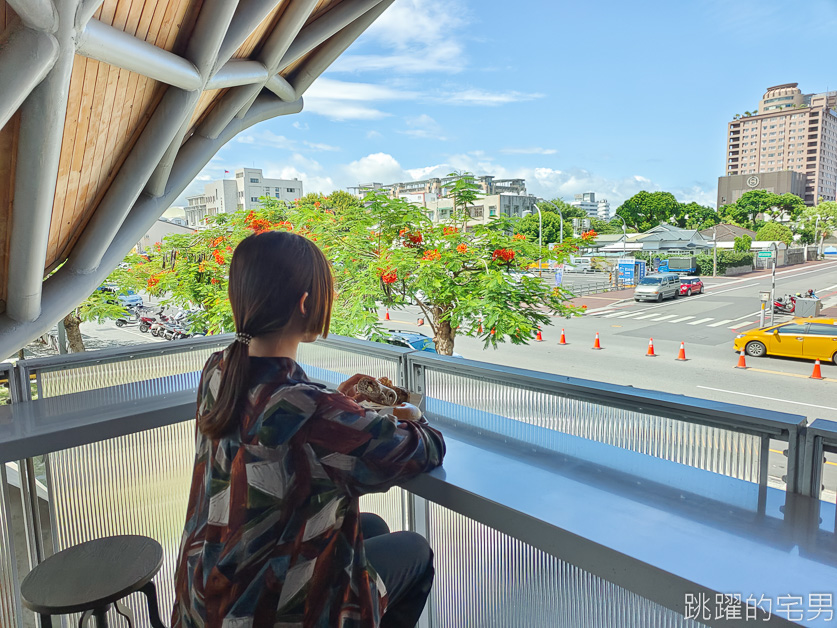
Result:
{"points": [[107, 110]]}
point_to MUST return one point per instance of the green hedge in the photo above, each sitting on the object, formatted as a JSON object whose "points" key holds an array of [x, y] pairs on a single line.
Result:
{"points": [[726, 259]]}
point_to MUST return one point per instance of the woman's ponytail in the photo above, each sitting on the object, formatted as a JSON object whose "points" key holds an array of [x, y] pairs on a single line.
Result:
{"points": [[223, 413]]}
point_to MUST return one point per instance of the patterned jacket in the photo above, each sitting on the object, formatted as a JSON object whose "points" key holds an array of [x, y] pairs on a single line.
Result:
{"points": [[271, 535]]}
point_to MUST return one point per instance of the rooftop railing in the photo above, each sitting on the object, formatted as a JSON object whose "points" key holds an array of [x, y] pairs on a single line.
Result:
{"points": [[562, 502]]}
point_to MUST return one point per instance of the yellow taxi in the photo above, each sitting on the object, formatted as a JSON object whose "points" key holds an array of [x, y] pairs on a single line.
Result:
{"points": [[809, 338]]}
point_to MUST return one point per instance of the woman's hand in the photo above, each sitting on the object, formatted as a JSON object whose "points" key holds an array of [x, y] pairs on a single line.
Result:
{"points": [[349, 387]]}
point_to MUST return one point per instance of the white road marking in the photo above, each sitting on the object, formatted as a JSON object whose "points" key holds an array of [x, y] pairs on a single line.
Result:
{"points": [[719, 323], [796, 403], [747, 324], [639, 318], [701, 320], [613, 314], [631, 314], [829, 288], [741, 318], [680, 320], [662, 318]]}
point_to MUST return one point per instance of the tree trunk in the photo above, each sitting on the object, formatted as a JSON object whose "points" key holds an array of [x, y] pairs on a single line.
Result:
{"points": [[71, 323], [444, 337]]}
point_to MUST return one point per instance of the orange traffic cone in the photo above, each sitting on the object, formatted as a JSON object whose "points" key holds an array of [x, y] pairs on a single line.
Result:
{"points": [[420, 322], [386, 318], [597, 344], [742, 363], [479, 331], [563, 340], [817, 374], [682, 355], [650, 353], [539, 338]]}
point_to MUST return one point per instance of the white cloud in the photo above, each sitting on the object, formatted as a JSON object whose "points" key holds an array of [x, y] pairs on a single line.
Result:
{"points": [[534, 150], [377, 167], [417, 35], [310, 183], [339, 110], [320, 146], [423, 126], [264, 137], [332, 89], [306, 163], [483, 97], [300, 125], [373, 134]]}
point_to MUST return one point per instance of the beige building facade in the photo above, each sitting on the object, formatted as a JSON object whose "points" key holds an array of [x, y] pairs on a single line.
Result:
{"points": [[430, 190], [484, 208], [791, 131]]}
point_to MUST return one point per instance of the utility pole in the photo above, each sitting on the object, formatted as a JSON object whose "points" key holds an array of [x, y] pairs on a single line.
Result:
{"points": [[775, 250], [714, 250]]}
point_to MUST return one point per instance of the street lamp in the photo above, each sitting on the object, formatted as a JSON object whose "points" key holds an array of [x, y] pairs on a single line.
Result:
{"points": [[528, 212]]}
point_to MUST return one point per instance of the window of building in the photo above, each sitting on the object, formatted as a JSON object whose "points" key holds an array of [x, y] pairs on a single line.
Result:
{"points": [[254, 199], [241, 195], [277, 189], [239, 175], [252, 180], [291, 190]]}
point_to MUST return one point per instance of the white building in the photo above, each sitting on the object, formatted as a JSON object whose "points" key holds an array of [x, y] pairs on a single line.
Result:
{"points": [[160, 230], [595, 209], [243, 192], [484, 208]]}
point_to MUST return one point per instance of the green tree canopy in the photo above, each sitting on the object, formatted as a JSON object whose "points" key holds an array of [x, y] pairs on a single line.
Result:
{"points": [[529, 226], [696, 216], [466, 278], [748, 210], [569, 211], [645, 210], [773, 231]]}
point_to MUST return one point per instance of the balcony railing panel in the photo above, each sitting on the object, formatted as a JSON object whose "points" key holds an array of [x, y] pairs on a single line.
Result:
{"points": [[478, 395], [487, 579]]}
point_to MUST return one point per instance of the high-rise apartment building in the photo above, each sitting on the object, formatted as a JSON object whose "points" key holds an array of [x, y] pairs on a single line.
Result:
{"points": [[790, 132], [243, 192], [595, 209]]}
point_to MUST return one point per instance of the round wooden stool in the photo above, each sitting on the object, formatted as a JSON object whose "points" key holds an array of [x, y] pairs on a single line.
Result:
{"points": [[91, 577]]}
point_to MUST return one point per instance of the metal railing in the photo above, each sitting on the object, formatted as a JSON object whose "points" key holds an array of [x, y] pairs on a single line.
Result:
{"points": [[135, 482], [820, 438]]}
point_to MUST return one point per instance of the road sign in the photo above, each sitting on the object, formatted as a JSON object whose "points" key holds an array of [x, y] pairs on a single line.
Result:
{"points": [[559, 275], [767, 254]]}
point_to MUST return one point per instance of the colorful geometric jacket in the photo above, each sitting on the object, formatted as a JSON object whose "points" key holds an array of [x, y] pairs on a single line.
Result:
{"points": [[271, 535]]}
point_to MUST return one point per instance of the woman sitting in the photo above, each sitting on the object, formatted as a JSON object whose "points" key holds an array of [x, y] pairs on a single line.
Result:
{"points": [[273, 534]]}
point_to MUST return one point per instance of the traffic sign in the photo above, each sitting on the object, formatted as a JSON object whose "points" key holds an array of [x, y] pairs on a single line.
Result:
{"points": [[767, 254]]}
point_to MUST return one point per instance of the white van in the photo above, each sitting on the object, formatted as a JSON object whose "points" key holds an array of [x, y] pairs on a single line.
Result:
{"points": [[580, 265]]}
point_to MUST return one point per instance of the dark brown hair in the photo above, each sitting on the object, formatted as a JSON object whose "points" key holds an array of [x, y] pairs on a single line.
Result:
{"points": [[269, 273]]}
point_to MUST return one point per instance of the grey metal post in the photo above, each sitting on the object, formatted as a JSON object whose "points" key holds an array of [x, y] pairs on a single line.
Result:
{"points": [[62, 337], [714, 250], [775, 250]]}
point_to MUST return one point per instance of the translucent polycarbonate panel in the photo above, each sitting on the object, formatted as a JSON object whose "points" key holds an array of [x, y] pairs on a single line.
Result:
{"points": [[332, 364], [135, 484], [483, 403], [10, 612], [487, 579], [5, 384], [829, 478], [73, 379], [389, 506]]}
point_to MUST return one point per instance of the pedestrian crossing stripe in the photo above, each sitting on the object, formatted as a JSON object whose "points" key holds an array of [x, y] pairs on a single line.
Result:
{"points": [[700, 321], [664, 318], [680, 320]]}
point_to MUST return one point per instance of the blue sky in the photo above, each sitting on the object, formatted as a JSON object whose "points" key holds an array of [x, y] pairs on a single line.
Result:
{"points": [[603, 96]]}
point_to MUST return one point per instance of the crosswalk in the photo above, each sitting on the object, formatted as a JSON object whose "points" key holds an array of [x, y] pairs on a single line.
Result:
{"points": [[674, 319]]}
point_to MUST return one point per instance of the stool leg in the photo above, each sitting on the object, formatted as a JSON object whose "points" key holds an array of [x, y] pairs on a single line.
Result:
{"points": [[100, 615], [85, 617], [126, 612], [150, 592], [46, 621]]}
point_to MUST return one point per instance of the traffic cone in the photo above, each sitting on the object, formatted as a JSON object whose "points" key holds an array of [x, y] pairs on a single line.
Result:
{"points": [[650, 353], [682, 355], [479, 331], [420, 322], [539, 338], [817, 374], [563, 340], [386, 318], [597, 344], [742, 363]]}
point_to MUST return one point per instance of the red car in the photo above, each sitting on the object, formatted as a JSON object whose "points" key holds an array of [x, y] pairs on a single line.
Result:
{"points": [[690, 286]]}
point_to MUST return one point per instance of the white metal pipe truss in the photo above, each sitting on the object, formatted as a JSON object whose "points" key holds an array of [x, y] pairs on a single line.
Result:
{"points": [[37, 52]]}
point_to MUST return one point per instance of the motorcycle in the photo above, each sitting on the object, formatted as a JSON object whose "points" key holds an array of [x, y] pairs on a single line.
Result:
{"points": [[132, 318], [784, 305]]}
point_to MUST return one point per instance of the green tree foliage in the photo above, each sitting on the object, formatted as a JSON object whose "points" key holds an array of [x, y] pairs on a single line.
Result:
{"points": [[755, 204], [696, 216], [827, 211], [602, 226], [645, 210], [743, 243], [726, 259], [569, 211], [529, 226], [466, 278], [773, 231]]}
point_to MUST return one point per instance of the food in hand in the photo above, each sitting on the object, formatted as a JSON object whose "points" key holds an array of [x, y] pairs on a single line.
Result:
{"points": [[372, 390], [406, 412], [402, 394]]}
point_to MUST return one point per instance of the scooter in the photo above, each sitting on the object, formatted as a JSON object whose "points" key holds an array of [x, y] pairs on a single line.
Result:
{"points": [[784, 305], [132, 319]]}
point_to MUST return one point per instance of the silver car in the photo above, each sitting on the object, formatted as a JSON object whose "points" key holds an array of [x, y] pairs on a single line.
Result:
{"points": [[658, 286]]}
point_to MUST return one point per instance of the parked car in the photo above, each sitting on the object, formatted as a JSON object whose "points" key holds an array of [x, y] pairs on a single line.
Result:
{"points": [[800, 338], [690, 286], [658, 286], [410, 340], [125, 299]]}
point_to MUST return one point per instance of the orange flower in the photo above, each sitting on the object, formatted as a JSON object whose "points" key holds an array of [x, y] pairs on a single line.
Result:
{"points": [[430, 256], [200, 267], [259, 225], [390, 276], [506, 255], [589, 235], [317, 204], [519, 236], [219, 258], [462, 248], [450, 230]]}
